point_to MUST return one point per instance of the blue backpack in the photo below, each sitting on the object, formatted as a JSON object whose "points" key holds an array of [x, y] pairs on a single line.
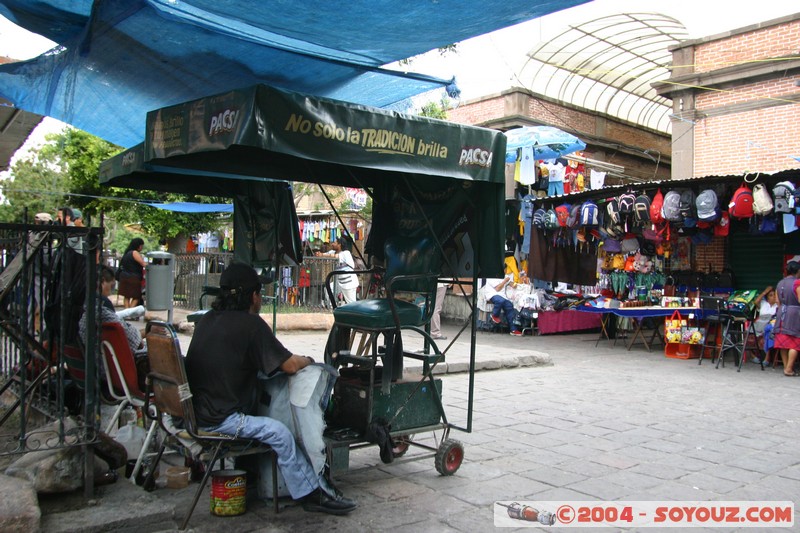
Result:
{"points": [[589, 214]]}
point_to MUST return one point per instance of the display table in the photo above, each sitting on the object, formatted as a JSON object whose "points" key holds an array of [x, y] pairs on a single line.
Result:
{"points": [[566, 321], [639, 316]]}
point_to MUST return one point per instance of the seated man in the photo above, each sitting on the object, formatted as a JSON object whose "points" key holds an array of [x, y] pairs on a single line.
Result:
{"points": [[492, 294], [108, 313], [767, 304], [230, 346]]}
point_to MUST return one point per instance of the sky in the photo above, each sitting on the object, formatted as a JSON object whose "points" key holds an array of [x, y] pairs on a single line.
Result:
{"points": [[488, 64]]}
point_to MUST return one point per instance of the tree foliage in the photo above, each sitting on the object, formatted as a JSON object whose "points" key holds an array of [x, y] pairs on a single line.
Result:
{"points": [[65, 171]]}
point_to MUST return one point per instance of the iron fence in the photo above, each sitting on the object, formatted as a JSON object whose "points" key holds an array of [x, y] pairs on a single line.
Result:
{"points": [[48, 386]]}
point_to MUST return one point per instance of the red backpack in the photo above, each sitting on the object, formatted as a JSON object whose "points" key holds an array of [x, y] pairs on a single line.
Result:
{"points": [[655, 208], [562, 214], [741, 205]]}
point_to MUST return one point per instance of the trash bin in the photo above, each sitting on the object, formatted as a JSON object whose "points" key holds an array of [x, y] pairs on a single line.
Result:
{"points": [[160, 281]]}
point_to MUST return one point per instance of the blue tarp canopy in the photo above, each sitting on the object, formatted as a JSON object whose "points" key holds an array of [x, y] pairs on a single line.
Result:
{"points": [[118, 59]]}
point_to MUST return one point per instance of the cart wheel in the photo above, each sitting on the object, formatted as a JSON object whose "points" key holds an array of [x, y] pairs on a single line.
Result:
{"points": [[401, 445], [449, 457]]}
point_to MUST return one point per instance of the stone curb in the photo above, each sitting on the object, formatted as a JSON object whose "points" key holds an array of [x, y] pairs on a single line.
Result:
{"points": [[533, 359]]}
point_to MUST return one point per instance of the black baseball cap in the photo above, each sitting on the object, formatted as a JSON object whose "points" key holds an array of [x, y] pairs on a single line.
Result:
{"points": [[240, 276]]}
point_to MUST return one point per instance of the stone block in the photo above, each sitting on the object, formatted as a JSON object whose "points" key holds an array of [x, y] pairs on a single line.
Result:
{"points": [[19, 506]]}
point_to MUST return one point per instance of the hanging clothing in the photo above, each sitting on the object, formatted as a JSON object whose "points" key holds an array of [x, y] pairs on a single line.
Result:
{"points": [[597, 179], [526, 213], [527, 166]]}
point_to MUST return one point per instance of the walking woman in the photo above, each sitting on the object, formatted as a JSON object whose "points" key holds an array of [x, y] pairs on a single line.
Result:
{"points": [[132, 273], [787, 324]]}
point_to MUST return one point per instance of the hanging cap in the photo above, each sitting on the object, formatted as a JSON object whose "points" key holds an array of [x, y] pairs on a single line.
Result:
{"points": [[43, 217]]}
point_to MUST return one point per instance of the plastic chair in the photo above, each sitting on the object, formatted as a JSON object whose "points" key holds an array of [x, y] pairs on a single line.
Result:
{"points": [[123, 381], [412, 268], [120, 369], [169, 392]]}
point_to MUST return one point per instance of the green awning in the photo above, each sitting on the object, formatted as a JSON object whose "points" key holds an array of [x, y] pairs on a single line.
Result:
{"points": [[455, 173]]}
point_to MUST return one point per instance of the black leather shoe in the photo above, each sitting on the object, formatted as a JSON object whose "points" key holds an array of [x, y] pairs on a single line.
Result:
{"points": [[321, 501], [328, 499]]}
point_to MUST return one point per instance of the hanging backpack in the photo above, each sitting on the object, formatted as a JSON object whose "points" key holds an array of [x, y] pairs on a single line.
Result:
{"points": [[762, 201], [641, 209], [550, 219], [671, 210], [769, 224], [723, 226], [655, 208], [784, 197], [574, 219], [708, 206], [562, 214], [688, 204], [741, 205], [626, 202], [589, 214], [612, 208], [538, 218]]}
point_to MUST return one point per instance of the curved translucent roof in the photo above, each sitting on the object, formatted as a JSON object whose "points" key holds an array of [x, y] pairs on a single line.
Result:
{"points": [[608, 65]]}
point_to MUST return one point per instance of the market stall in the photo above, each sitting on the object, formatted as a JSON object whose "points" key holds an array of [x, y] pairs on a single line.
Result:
{"points": [[428, 179], [640, 245]]}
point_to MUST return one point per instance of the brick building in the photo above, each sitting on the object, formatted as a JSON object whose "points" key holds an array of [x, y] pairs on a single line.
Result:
{"points": [[734, 114], [736, 101]]}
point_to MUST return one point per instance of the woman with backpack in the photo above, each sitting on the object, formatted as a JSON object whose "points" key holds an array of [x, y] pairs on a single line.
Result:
{"points": [[131, 273], [787, 324]]}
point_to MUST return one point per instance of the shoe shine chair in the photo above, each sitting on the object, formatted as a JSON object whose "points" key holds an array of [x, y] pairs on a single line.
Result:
{"points": [[412, 270], [169, 392]]}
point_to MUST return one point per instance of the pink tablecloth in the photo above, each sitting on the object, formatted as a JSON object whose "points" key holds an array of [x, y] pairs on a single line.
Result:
{"points": [[568, 320]]}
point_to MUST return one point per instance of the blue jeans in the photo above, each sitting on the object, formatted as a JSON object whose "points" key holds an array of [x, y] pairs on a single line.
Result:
{"points": [[501, 304], [296, 470]]}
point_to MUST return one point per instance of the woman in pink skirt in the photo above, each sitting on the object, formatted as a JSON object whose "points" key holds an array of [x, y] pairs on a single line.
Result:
{"points": [[787, 324]]}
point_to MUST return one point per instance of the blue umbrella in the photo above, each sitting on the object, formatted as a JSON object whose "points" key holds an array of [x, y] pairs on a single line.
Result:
{"points": [[548, 142]]}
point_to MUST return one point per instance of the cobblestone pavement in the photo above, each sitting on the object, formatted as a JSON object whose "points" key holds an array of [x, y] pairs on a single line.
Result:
{"points": [[599, 423]]}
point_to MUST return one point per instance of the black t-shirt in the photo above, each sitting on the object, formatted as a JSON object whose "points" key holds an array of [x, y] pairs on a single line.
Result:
{"points": [[228, 349], [129, 265]]}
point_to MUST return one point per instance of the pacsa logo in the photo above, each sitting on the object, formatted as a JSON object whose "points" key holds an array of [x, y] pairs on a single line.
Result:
{"points": [[129, 159], [223, 122], [475, 157]]}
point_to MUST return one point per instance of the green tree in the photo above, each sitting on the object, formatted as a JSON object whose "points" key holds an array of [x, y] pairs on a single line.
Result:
{"points": [[436, 109], [38, 185], [65, 171]]}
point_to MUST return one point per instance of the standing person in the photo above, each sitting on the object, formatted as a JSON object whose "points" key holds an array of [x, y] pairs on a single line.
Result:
{"points": [[787, 324], [436, 317], [65, 216], [77, 217], [131, 276], [500, 303], [348, 283], [231, 345]]}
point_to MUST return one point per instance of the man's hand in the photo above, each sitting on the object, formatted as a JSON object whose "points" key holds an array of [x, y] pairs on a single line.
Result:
{"points": [[295, 363]]}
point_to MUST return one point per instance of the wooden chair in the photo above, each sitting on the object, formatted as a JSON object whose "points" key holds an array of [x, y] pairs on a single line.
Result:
{"points": [[169, 392]]}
